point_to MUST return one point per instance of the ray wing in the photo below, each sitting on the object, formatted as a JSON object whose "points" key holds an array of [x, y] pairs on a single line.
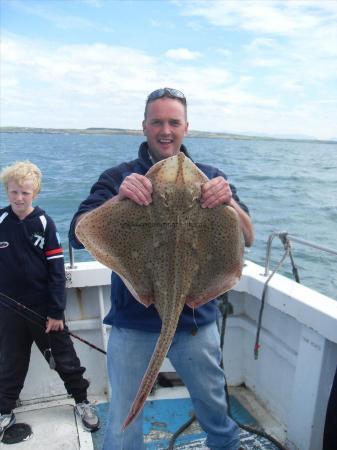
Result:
{"points": [[119, 236], [220, 247]]}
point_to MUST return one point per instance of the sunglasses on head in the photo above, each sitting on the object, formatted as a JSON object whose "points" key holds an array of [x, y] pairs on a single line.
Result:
{"points": [[166, 92]]}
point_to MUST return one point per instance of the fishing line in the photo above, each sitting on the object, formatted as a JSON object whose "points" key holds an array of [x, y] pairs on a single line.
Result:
{"points": [[40, 318]]}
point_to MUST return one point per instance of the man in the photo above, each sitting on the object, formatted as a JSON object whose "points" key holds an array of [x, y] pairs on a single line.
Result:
{"points": [[135, 328]]}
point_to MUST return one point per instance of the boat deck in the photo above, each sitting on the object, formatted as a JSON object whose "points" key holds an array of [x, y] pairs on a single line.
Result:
{"points": [[56, 427]]}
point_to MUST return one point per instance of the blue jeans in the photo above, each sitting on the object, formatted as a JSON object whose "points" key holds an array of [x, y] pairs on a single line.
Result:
{"points": [[195, 358]]}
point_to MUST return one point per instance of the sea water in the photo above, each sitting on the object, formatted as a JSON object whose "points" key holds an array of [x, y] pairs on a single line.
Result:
{"points": [[288, 186]]}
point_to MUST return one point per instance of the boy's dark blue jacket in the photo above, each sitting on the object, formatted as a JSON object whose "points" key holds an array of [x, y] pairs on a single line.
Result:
{"points": [[31, 261], [126, 312]]}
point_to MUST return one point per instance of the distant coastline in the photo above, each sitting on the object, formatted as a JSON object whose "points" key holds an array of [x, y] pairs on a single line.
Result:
{"points": [[122, 131]]}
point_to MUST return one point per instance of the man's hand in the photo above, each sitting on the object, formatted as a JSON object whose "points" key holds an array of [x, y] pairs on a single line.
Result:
{"points": [[216, 192], [54, 325], [137, 188]]}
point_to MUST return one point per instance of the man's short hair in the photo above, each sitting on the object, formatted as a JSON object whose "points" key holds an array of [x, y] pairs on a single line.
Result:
{"points": [[168, 93]]}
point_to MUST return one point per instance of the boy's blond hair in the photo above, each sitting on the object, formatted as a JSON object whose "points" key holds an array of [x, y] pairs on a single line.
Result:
{"points": [[22, 171]]}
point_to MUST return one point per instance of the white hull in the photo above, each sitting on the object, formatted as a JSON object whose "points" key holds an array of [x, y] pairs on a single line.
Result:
{"points": [[291, 378]]}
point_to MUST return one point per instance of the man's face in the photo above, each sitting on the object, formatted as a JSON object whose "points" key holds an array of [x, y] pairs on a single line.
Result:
{"points": [[165, 127]]}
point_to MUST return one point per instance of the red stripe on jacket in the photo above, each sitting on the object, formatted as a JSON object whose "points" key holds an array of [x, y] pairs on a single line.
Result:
{"points": [[56, 251]]}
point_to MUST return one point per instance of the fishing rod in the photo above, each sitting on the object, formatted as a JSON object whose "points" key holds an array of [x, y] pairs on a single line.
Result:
{"points": [[41, 318]]}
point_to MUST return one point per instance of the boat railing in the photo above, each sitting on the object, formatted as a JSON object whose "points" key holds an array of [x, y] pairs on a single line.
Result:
{"points": [[71, 257], [286, 239]]}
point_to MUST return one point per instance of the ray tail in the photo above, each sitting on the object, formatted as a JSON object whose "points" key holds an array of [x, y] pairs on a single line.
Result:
{"points": [[162, 347]]}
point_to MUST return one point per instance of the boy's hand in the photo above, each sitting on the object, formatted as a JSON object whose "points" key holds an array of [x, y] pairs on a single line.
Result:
{"points": [[54, 325]]}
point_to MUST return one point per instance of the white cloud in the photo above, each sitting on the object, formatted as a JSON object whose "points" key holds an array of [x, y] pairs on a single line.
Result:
{"points": [[101, 85], [182, 54], [304, 62], [162, 24], [265, 16], [75, 86], [86, 78], [265, 62], [224, 52], [294, 86], [155, 23], [261, 44], [194, 25]]}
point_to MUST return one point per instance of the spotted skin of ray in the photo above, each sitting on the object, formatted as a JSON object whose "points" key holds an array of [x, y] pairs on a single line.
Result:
{"points": [[170, 253]]}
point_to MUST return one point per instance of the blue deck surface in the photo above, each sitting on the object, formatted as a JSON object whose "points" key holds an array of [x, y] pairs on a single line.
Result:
{"points": [[162, 418]]}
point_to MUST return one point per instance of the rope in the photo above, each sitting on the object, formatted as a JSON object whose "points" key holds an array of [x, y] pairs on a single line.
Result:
{"points": [[287, 246], [179, 431], [257, 345], [294, 268]]}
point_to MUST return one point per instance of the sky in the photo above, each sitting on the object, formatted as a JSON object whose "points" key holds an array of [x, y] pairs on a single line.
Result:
{"points": [[262, 67]]}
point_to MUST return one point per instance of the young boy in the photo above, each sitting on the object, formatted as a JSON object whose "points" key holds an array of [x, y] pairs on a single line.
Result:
{"points": [[32, 273]]}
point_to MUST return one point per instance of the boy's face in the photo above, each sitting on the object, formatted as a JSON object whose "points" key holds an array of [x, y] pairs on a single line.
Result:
{"points": [[21, 197]]}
